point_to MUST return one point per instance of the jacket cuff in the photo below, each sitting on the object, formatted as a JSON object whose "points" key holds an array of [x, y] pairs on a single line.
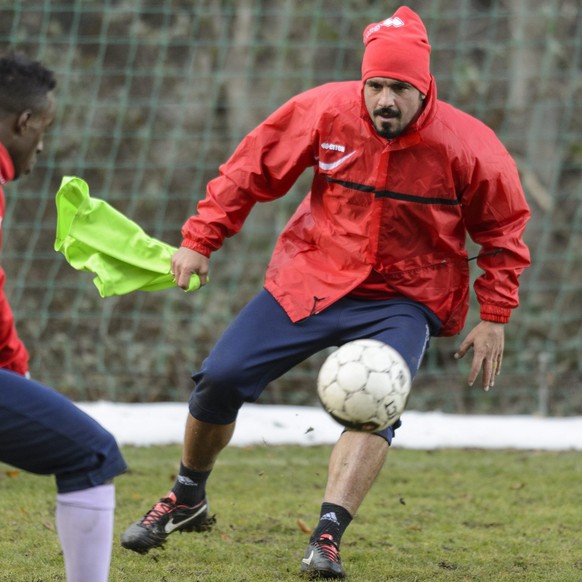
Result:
{"points": [[195, 246], [495, 313]]}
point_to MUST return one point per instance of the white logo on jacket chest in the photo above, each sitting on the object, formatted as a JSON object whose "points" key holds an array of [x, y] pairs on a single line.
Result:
{"points": [[336, 147], [336, 164]]}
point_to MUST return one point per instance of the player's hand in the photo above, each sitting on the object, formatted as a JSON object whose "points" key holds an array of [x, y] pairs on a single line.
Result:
{"points": [[185, 263], [487, 340]]}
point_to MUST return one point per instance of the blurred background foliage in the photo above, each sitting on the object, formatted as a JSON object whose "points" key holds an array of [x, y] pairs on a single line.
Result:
{"points": [[155, 94]]}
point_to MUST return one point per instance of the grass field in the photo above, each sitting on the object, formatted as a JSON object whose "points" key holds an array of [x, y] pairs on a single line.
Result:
{"points": [[454, 515]]}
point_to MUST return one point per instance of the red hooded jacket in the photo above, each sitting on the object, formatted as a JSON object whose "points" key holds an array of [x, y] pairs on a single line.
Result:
{"points": [[396, 210], [13, 354]]}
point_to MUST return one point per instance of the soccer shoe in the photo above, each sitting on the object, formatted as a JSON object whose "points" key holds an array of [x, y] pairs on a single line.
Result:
{"points": [[164, 518], [322, 560]]}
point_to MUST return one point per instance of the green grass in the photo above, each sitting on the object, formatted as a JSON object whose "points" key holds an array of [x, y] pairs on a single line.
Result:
{"points": [[446, 515]]}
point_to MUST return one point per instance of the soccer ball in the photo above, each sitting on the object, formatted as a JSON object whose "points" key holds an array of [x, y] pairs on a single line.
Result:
{"points": [[364, 385]]}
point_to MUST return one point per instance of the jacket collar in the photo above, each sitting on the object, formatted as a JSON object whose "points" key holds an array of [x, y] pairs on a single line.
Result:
{"points": [[6, 166]]}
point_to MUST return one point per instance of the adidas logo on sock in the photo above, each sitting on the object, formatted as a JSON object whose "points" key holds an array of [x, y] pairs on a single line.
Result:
{"points": [[330, 516]]}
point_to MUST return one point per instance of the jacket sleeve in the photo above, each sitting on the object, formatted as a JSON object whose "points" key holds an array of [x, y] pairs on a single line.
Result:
{"points": [[13, 354], [264, 166], [496, 213]]}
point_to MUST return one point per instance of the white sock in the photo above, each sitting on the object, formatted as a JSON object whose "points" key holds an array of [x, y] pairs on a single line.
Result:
{"points": [[85, 527]]}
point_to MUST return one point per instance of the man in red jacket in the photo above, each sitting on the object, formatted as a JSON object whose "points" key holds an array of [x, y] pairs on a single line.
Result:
{"points": [[41, 431], [20, 142], [375, 250]]}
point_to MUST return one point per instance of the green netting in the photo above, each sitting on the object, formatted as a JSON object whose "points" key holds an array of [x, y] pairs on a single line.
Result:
{"points": [[155, 94]]}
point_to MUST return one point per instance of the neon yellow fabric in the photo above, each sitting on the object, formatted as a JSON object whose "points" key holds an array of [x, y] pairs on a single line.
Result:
{"points": [[95, 237]]}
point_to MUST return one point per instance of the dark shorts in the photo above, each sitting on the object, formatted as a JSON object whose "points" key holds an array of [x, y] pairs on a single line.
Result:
{"points": [[262, 343], [43, 432]]}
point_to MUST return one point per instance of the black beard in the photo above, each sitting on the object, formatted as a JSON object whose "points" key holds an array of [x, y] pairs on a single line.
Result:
{"points": [[390, 113], [387, 133]]}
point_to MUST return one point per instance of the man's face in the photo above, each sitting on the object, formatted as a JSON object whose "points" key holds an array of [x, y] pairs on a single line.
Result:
{"points": [[27, 139], [392, 105]]}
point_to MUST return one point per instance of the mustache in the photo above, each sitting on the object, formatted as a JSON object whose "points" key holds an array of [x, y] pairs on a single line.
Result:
{"points": [[387, 112]]}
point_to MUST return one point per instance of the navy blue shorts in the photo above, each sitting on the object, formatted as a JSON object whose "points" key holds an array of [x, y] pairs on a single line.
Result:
{"points": [[262, 343], [43, 432]]}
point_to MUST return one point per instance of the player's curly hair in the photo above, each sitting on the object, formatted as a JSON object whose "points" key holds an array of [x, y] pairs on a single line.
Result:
{"points": [[24, 84]]}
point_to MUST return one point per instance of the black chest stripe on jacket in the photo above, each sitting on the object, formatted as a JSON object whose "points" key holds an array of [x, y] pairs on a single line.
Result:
{"points": [[393, 195]]}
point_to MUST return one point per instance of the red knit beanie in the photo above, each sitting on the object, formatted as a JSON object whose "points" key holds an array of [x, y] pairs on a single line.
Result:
{"points": [[398, 48]]}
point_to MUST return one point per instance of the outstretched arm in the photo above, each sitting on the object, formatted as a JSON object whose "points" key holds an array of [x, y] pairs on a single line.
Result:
{"points": [[487, 339], [13, 353]]}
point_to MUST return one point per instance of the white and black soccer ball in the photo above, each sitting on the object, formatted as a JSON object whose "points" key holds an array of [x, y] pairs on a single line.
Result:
{"points": [[364, 385]]}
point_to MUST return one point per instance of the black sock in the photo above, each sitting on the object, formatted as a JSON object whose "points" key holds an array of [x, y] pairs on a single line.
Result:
{"points": [[190, 486], [333, 521]]}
